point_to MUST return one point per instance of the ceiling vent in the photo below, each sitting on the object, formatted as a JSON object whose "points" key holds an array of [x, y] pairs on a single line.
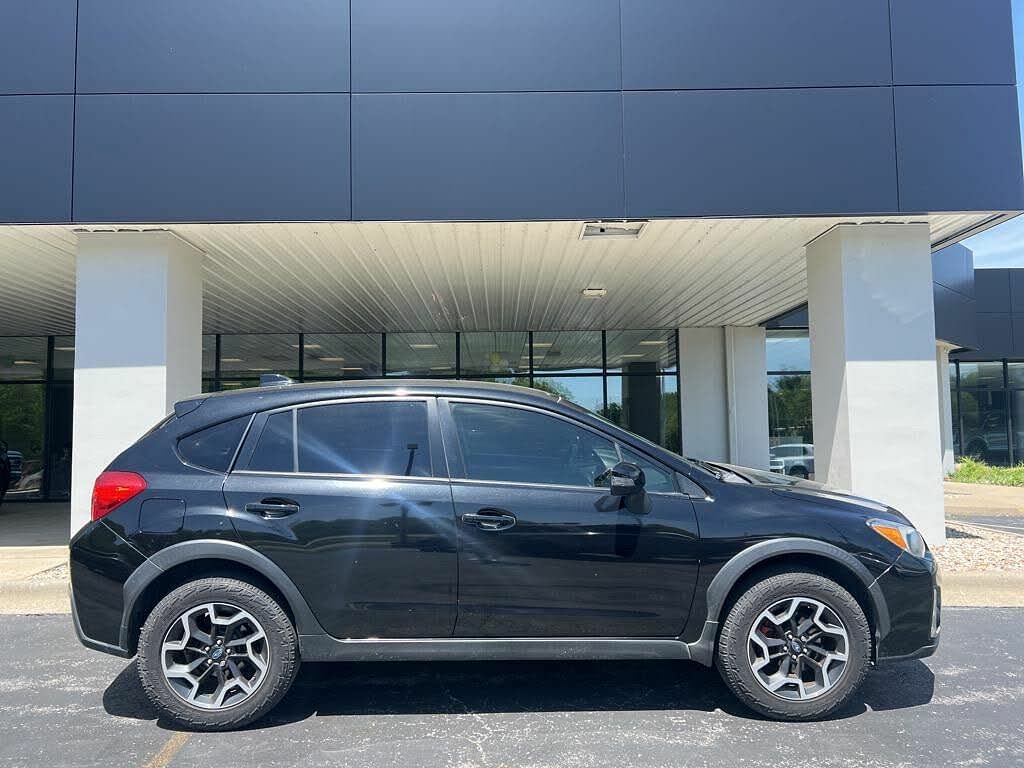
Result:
{"points": [[612, 230]]}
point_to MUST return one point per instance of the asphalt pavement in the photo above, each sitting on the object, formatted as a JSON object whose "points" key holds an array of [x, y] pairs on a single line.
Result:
{"points": [[62, 705]]}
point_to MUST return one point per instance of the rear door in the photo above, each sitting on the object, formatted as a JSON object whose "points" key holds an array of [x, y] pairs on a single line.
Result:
{"points": [[351, 500]]}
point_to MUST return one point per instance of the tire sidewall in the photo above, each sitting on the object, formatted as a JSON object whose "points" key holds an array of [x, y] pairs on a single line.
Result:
{"points": [[282, 645], [733, 659]]}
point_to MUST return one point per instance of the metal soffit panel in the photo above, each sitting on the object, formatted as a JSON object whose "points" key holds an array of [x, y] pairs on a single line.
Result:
{"points": [[394, 276]]}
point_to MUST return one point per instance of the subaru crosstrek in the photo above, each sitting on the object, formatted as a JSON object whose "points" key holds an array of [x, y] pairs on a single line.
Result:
{"points": [[385, 520]]}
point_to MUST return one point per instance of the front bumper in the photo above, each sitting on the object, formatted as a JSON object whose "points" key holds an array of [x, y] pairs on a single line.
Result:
{"points": [[913, 595]]}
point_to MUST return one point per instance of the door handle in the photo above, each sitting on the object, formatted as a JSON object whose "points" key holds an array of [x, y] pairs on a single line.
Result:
{"points": [[273, 507], [490, 520]]}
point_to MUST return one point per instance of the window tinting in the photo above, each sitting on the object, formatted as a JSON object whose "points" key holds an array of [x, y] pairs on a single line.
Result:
{"points": [[658, 478], [365, 439], [515, 445], [213, 447], [274, 452]]}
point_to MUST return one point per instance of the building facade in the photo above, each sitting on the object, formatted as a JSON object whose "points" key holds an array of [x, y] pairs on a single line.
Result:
{"points": [[636, 184]]}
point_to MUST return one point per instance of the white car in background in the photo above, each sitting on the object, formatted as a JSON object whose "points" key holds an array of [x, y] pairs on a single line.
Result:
{"points": [[797, 460]]}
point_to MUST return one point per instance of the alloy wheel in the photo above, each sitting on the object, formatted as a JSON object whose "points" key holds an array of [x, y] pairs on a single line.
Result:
{"points": [[215, 656], [798, 648]]}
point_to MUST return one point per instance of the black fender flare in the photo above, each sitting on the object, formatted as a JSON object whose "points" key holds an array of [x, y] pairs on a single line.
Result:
{"points": [[215, 549], [741, 563]]}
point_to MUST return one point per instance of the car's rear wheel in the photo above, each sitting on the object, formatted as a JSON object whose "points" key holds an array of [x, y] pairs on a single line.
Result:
{"points": [[800, 472], [217, 654], [795, 646]]}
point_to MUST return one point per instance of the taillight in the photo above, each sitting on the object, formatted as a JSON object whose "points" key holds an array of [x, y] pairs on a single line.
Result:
{"points": [[112, 489]]}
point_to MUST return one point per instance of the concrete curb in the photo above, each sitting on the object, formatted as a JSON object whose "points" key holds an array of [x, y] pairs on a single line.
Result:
{"points": [[26, 598]]}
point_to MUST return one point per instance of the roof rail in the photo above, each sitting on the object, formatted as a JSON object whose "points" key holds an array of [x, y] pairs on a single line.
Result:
{"points": [[274, 380]]}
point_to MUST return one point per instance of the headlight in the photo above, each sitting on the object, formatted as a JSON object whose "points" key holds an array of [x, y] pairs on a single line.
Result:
{"points": [[906, 537]]}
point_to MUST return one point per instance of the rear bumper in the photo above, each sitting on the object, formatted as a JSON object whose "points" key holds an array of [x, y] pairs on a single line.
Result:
{"points": [[88, 642]]}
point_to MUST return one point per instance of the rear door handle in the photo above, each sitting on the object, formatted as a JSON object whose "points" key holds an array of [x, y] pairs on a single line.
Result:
{"points": [[273, 507], [490, 520]]}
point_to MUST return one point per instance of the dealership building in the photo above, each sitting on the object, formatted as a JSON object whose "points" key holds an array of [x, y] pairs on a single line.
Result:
{"points": [[617, 200]]}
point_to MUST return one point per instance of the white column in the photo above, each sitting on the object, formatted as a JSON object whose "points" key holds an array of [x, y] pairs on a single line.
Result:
{"points": [[703, 402], [942, 350], [138, 345], [724, 402], [746, 373], [873, 360]]}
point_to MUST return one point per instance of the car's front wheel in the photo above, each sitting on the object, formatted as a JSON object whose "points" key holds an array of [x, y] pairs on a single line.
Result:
{"points": [[795, 646], [217, 654]]}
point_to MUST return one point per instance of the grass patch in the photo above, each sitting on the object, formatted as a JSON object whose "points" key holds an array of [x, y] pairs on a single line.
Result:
{"points": [[973, 471]]}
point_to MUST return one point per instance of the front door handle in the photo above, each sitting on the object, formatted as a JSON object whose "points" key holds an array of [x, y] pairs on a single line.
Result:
{"points": [[490, 520], [273, 507]]}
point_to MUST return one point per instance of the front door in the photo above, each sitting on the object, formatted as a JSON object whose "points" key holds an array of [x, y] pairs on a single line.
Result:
{"points": [[545, 550], [351, 500]]}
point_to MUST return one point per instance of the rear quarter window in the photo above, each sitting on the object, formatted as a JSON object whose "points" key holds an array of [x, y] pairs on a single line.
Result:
{"points": [[214, 447]]}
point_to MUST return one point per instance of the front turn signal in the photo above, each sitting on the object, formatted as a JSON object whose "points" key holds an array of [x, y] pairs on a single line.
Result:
{"points": [[906, 537]]}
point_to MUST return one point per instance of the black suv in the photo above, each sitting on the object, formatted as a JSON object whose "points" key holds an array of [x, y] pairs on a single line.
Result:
{"points": [[386, 520]]}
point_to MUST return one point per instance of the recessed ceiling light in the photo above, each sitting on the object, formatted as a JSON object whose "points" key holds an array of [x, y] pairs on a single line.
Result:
{"points": [[440, 368], [352, 369], [260, 370], [625, 356], [63, 349], [231, 359], [543, 344], [25, 362], [612, 230], [594, 293], [331, 359], [654, 343], [423, 346], [307, 346]]}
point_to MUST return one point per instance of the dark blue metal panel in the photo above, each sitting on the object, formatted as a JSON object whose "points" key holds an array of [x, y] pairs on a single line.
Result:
{"points": [[953, 267], [946, 42], [956, 319], [37, 46], [35, 158], [992, 288], [212, 158], [485, 45], [753, 43], [959, 149], [198, 46], [487, 156], [757, 153]]}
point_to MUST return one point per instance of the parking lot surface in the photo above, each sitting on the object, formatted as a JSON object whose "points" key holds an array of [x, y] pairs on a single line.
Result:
{"points": [[62, 705]]}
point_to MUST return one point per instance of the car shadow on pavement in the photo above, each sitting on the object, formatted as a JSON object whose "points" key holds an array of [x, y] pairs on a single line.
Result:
{"points": [[403, 688]]}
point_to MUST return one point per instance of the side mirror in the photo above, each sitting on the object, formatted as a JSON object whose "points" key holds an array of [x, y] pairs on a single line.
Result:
{"points": [[627, 479]]}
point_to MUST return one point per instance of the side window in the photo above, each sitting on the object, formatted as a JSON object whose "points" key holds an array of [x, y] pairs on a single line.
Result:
{"points": [[365, 439], [274, 451], [213, 447], [659, 479], [516, 445]]}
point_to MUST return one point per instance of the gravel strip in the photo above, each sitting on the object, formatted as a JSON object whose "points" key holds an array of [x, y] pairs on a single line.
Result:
{"points": [[970, 548]]}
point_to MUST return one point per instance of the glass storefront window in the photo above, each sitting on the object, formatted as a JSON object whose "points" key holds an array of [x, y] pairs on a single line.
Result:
{"points": [[22, 428], [246, 356], [788, 351], [1017, 415], [789, 409], [22, 358], [494, 354], [641, 351], [421, 354], [556, 352], [986, 375], [587, 391], [1015, 374], [647, 406], [983, 414], [342, 355]]}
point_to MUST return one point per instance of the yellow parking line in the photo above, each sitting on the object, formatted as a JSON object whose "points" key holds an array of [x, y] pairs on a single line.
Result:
{"points": [[167, 752]]}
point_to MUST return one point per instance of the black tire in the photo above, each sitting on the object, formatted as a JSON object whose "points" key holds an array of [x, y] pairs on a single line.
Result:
{"points": [[800, 472], [734, 663], [282, 646]]}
